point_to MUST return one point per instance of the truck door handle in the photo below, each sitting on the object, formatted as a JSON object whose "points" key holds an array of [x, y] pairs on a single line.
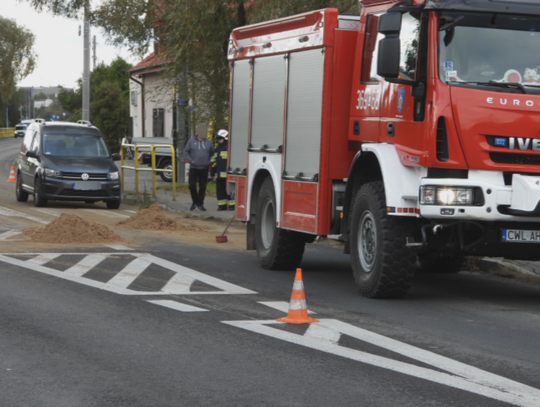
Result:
{"points": [[391, 129]]}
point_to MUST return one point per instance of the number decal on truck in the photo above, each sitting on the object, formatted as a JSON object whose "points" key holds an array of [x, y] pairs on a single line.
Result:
{"points": [[368, 99]]}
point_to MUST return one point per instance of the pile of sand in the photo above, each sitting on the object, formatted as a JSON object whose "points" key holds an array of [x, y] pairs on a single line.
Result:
{"points": [[152, 218], [72, 229]]}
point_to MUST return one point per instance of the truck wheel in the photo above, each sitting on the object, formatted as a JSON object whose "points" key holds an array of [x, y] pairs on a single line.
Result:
{"points": [[382, 264], [277, 249], [446, 263], [39, 200], [20, 193], [166, 176]]}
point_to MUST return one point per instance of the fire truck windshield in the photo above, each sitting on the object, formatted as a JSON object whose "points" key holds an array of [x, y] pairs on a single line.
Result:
{"points": [[484, 48]]}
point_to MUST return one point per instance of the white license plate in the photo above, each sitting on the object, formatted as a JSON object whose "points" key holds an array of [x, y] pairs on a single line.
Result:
{"points": [[87, 185], [521, 236]]}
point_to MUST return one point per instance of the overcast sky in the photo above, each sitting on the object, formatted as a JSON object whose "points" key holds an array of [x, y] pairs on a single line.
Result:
{"points": [[58, 46]]}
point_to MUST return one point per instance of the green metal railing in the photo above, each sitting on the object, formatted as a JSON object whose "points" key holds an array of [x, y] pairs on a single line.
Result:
{"points": [[153, 168]]}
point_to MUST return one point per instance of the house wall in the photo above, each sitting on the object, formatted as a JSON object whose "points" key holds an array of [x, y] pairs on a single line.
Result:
{"points": [[158, 95]]}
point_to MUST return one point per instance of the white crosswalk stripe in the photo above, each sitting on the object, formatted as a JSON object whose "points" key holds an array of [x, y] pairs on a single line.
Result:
{"points": [[130, 273], [44, 258], [177, 306], [85, 265]]}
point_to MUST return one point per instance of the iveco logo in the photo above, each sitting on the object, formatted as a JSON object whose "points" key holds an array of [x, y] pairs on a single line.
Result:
{"points": [[524, 143], [85, 177]]}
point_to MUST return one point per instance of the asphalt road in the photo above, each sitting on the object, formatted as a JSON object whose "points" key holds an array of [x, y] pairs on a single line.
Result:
{"points": [[178, 324]]}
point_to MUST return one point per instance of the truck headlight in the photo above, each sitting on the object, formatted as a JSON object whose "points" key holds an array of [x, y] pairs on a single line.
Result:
{"points": [[112, 175], [53, 173], [450, 196]]}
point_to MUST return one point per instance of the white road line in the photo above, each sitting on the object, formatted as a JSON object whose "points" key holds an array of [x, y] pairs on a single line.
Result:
{"points": [[9, 234], [85, 265], [131, 211], [180, 282], [107, 213], [9, 212], [44, 258], [52, 212], [280, 306], [177, 306], [461, 376], [130, 273], [117, 247]]}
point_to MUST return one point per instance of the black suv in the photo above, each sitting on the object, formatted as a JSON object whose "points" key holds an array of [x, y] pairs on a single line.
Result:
{"points": [[67, 162]]}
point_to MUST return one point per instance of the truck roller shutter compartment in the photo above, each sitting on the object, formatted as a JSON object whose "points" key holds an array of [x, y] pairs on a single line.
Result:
{"points": [[268, 102], [240, 115], [303, 148]]}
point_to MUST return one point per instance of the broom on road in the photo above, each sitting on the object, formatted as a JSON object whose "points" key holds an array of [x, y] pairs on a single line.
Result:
{"points": [[223, 238]]}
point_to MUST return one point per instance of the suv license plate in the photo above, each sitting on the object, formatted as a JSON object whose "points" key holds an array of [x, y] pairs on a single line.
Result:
{"points": [[87, 185], [520, 236]]}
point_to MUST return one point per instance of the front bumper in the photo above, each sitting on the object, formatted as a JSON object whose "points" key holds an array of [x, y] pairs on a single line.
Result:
{"points": [[502, 202], [69, 190]]}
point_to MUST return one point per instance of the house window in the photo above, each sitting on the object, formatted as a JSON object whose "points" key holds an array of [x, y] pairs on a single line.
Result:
{"points": [[158, 118], [134, 97]]}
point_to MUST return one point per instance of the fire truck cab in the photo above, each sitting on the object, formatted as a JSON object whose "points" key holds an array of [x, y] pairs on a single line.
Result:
{"points": [[410, 133]]}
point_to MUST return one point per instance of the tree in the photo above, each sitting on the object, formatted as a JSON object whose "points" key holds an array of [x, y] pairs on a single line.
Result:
{"points": [[110, 100], [71, 99], [194, 36], [110, 112], [17, 58]]}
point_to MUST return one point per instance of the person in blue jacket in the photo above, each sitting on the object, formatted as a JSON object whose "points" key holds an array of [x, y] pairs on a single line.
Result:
{"points": [[198, 153]]}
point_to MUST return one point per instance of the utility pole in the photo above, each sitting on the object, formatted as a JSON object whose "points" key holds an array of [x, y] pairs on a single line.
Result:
{"points": [[95, 56], [86, 63]]}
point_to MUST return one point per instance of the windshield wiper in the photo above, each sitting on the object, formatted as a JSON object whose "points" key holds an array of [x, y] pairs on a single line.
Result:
{"points": [[505, 85]]}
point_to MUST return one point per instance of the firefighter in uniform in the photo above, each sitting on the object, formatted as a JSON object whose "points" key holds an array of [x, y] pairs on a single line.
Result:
{"points": [[219, 170]]}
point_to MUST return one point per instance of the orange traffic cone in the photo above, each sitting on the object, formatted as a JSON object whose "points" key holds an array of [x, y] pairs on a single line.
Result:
{"points": [[12, 176], [298, 313]]}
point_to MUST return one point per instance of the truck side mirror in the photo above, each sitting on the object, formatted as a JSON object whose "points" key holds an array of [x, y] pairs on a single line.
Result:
{"points": [[31, 154], [116, 157], [390, 46]]}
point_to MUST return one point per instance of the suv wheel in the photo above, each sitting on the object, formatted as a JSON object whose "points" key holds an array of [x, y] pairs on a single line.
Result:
{"points": [[39, 200], [113, 204], [20, 193]]}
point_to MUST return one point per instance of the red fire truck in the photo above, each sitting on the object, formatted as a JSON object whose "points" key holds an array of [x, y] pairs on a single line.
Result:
{"points": [[410, 133]]}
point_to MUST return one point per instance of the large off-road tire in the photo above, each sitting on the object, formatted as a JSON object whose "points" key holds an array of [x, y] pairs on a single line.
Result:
{"points": [[166, 176], [20, 194], [39, 199], [277, 249], [444, 263], [382, 265]]}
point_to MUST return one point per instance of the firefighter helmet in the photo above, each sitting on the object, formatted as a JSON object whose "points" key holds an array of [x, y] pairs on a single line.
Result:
{"points": [[224, 134]]}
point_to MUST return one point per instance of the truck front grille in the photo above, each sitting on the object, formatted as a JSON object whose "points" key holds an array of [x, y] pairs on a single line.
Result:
{"points": [[520, 159]]}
